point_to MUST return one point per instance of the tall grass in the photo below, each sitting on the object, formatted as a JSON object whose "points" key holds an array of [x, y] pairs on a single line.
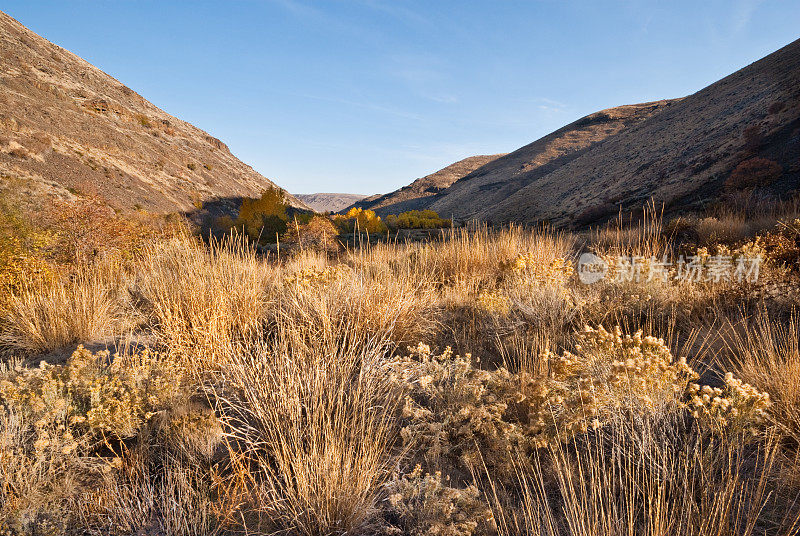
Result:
{"points": [[765, 351], [294, 361], [199, 300], [48, 315], [316, 431], [651, 477]]}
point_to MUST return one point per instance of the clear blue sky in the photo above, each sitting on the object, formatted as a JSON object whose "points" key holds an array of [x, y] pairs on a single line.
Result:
{"points": [[364, 96]]}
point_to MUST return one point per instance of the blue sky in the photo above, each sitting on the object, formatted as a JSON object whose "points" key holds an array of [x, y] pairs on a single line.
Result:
{"points": [[364, 96]]}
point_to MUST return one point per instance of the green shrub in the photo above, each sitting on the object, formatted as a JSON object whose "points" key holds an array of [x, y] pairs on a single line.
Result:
{"points": [[417, 219]]}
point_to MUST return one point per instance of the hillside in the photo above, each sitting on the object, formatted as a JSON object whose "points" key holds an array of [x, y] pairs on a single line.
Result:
{"points": [[679, 152], [474, 194], [681, 156], [68, 129], [421, 192], [329, 202]]}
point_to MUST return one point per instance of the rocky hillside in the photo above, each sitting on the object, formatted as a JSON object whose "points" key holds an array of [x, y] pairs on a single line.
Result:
{"points": [[681, 156], [326, 202], [68, 129], [422, 191], [473, 195], [678, 152]]}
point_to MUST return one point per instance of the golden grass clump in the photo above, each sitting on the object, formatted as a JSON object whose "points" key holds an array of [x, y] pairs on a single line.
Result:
{"points": [[45, 315], [312, 434], [765, 352], [646, 477], [200, 300]]}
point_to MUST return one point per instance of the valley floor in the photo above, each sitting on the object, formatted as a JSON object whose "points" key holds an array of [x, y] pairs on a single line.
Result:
{"points": [[477, 383]]}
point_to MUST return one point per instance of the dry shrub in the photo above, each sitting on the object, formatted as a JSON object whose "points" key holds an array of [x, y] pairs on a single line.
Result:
{"points": [[47, 315], [35, 480], [422, 504], [753, 173], [85, 229], [63, 432], [783, 243], [318, 234], [462, 416], [504, 294]]}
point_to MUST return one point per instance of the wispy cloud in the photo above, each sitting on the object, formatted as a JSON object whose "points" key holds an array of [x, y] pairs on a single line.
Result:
{"points": [[366, 105], [298, 8], [397, 11], [425, 75], [743, 13]]}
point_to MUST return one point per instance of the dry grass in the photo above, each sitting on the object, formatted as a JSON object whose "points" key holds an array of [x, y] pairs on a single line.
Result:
{"points": [[651, 478], [278, 396], [47, 315], [765, 352], [315, 431], [199, 301]]}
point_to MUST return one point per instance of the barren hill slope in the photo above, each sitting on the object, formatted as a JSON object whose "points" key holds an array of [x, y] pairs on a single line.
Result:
{"points": [[421, 192], [470, 196], [681, 156], [329, 202], [67, 128]]}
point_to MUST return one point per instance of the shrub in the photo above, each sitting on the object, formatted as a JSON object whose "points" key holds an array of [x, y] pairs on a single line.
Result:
{"points": [[776, 107], [87, 230], [359, 220], [93, 393], [143, 120], [753, 173], [63, 436], [417, 219], [464, 417], [264, 219], [421, 504], [23, 248], [319, 233]]}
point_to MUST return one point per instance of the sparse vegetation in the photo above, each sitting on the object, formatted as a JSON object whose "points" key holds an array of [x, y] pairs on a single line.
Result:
{"points": [[461, 386], [144, 121]]}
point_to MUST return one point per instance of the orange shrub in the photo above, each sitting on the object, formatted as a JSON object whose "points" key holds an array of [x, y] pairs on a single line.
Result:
{"points": [[754, 173]]}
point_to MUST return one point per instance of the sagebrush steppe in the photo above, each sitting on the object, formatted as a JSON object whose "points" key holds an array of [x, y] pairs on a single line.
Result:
{"points": [[470, 384]]}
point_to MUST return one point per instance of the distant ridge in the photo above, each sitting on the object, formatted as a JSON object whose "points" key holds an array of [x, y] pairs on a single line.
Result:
{"points": [[329, 202], [420, 192], [678, 152]]}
